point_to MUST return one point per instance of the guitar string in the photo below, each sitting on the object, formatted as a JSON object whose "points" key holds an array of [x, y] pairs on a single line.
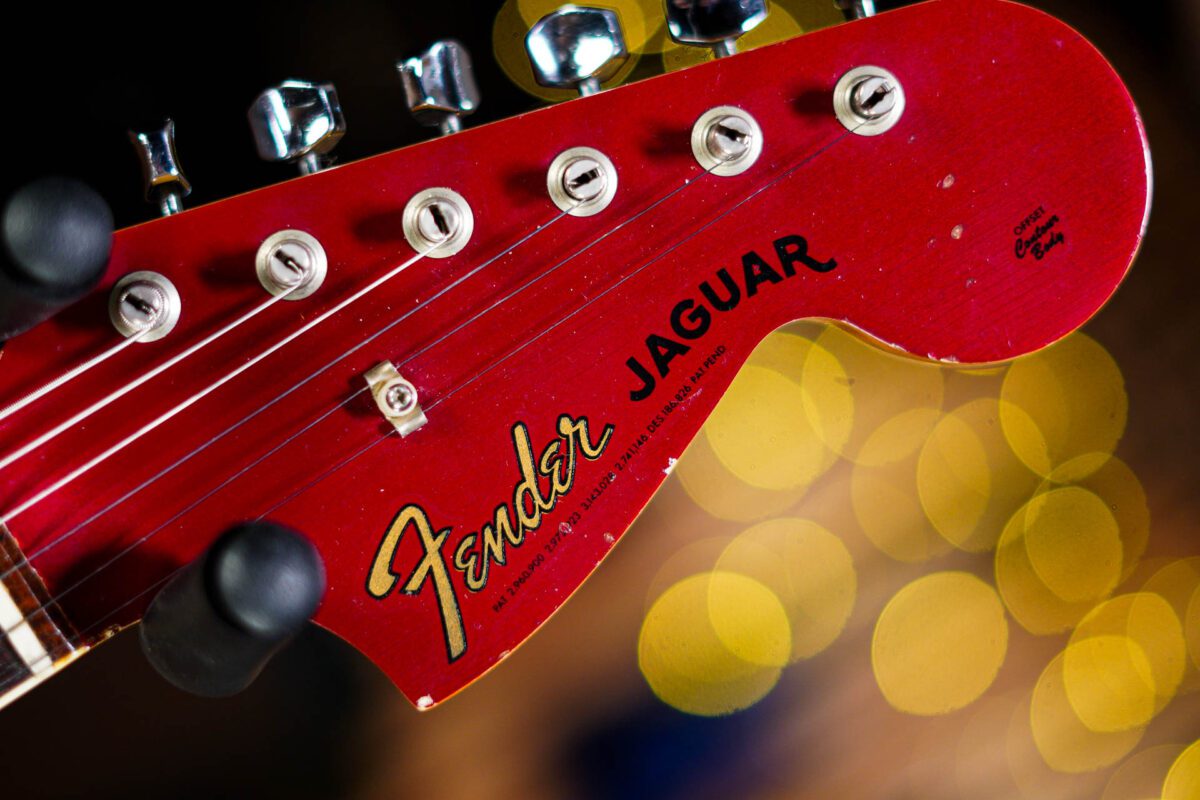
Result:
{"points": [[344, 402], [438, 401], [139, 381], [41, 551], [212, 387], [808, 159], [72, 374]]}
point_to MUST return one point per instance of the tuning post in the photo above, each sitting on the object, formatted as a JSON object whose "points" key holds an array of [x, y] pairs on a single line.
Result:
{"points": [[165, 183], [144, 304], [856, 9], [297, 121], [576, 47], [439, 86], [868, 100], [713, 23], [582, 181], [726, 141], [291, 262], [438, 222]]}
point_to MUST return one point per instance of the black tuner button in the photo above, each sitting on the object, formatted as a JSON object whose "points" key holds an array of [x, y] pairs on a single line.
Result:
{"points": [[212, 629], [55, 238]]}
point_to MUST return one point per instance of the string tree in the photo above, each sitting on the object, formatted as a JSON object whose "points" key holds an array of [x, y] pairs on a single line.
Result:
{"points": [[717, 24], [298, 122], [576, 47], [439, 85], [165, 183]]}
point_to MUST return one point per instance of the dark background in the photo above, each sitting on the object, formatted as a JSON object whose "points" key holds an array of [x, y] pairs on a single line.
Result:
{"points": [[321, 721]]}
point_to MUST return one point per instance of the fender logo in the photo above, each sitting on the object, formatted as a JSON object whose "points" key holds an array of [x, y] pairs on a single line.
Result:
{"points": [[691, 318], [542, 482]]}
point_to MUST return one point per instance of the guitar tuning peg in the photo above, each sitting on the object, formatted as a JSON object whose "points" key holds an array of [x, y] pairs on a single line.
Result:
{"points": [[856, 9], [439, 85], [166, 185], [55, 239], [576, 47], [214, 626], [713, 23], [297, 121]]}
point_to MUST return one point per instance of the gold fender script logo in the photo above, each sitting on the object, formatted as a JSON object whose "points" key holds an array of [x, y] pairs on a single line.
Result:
{"points": [[476, 551]]}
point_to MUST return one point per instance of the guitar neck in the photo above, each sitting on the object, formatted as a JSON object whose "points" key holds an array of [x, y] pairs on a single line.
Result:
{"points": [[36, 639]]}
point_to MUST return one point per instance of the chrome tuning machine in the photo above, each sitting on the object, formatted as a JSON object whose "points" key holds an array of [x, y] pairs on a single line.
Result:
{"points": [[576, 47], [297, 121], [439, 85], [713, 23], [165, 183]]}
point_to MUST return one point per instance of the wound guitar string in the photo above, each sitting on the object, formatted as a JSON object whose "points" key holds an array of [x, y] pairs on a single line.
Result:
{"points": [[82, 634]]}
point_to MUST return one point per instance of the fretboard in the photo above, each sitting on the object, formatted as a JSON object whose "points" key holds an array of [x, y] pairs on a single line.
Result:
{"points": [[35, 641]]}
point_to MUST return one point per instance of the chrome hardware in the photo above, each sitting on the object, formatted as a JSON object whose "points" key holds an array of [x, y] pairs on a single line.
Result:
{"points": [[726, 141], [144, 303], [439, 85], [856, 9], [438, 222], [582, 181], [713, 23], [166, 185], [293, 262], [868, 100], [297, 121], [576, 47], [395, 397]]}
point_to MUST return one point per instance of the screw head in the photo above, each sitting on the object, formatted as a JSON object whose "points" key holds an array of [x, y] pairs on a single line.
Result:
{"points": [[401, 397]]}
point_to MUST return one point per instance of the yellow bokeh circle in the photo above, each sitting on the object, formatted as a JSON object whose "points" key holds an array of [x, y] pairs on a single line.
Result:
{"points": [[1125, 662], [886, 503], [969, 480], [1065, 743], [808, 569], [1183, 780], [1140, 777], [1028, 599], [939, 643], [882, 385], [761, 431], [1064, 402], [692, 668], [1074, 543]]}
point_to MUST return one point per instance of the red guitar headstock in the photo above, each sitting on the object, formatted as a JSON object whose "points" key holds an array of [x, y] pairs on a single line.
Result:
{"points": [[537, 379]]}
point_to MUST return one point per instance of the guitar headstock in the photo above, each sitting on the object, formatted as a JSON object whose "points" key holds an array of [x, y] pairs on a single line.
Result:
{"points": [[504, 337]]}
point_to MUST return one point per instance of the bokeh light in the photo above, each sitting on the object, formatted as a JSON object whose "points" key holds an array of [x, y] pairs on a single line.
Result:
{"points": [[1178, 582], [1074, 543], [1183, 780], [1141, 776], [1115, 484], [760, 430], [895, 399], [1125, 662], [692, 668], [939, 643], [1064, 402], [887, 506], [1037, 607], [807, 568], [969, 480], [1065, 743]]}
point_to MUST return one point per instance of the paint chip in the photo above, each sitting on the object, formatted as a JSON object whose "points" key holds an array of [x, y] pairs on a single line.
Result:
{"points": [[424, 702]]}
